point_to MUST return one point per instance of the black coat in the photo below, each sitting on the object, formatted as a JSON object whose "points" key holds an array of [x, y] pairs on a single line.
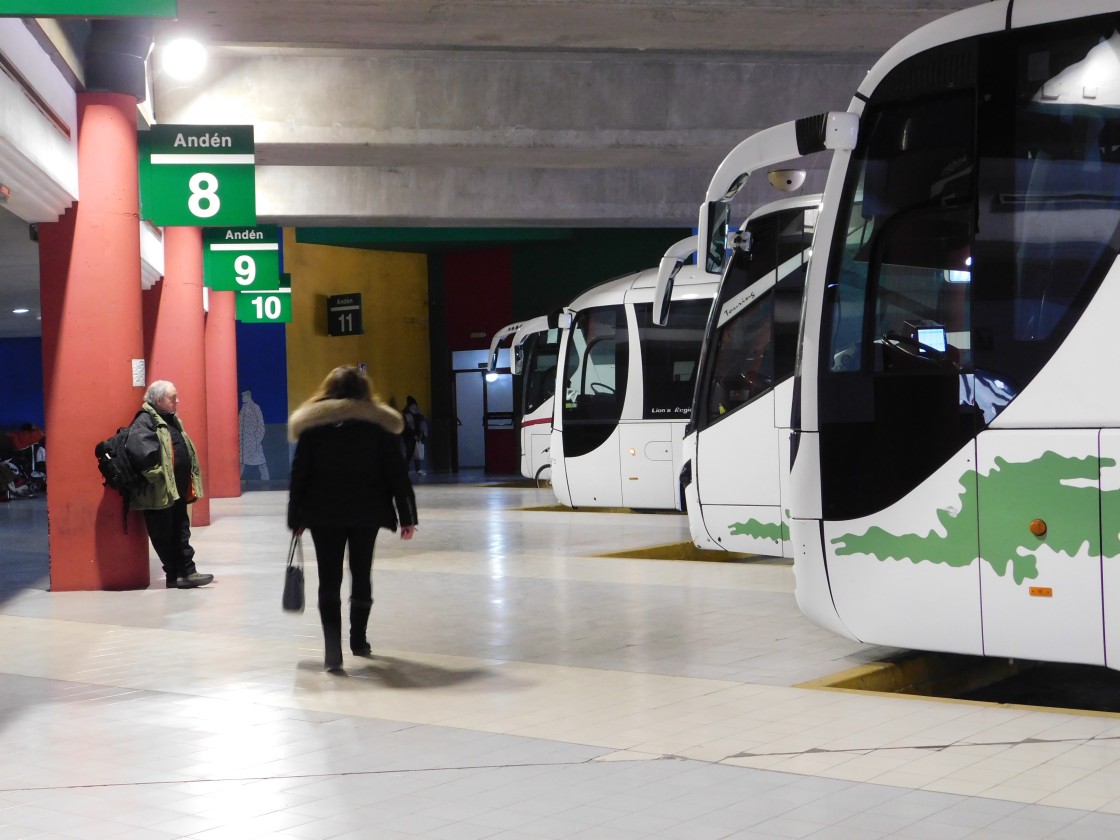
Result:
{"points": [[348, 469]]}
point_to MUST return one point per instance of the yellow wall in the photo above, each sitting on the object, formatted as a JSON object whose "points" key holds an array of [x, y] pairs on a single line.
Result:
{"points": [[394, 290]]}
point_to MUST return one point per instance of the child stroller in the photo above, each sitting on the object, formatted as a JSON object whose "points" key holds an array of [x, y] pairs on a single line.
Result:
{"points": [[30, 462], [14, 484]]}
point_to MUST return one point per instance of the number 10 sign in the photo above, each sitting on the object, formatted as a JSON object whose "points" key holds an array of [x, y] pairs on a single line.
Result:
{"points": [[265, 307]]}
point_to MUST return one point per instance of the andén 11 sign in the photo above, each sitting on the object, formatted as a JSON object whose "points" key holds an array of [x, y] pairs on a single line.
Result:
{"points": [[197, 175], [344, 315]]}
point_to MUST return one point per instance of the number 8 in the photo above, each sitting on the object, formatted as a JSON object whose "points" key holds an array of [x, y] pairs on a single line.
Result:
{"points": [[204, 187]]}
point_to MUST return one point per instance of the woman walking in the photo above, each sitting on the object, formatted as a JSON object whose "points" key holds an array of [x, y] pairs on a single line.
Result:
{"points": [[348, 481]]}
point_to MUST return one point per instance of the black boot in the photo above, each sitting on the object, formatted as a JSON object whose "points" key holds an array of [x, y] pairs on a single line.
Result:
{"points": [[359, 617], [330, 615]]}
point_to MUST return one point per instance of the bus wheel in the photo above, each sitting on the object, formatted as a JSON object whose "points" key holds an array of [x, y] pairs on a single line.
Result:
{"points": [[544, 475]]}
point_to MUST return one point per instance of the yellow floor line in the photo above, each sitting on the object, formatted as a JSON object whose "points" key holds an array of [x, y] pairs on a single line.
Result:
{"points": [[683, 551], [936, 676]]}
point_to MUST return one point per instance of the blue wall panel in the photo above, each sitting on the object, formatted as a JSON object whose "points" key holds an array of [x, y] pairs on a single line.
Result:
{"points": [[21, 382], [262, 367]]}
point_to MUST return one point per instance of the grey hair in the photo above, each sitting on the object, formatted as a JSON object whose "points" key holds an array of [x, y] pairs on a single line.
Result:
{"points": [[157, 391]]}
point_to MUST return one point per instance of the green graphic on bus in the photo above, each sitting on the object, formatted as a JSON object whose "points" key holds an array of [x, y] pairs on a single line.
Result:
{"points": [[1063, 491]]}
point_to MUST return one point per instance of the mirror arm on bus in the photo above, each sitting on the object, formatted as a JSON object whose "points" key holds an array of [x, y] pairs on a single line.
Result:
{"points": [[831, 131], [667, 269], [496, 344], [834, 130], [525, 330]]}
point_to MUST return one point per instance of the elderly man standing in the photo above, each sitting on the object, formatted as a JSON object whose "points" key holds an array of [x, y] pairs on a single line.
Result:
{"points": [[160, 449]]}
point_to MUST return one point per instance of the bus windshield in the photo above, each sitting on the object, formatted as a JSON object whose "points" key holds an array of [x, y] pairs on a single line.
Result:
{"points": [[751, 343], [975, 230], [595, 374], [541, 352]]}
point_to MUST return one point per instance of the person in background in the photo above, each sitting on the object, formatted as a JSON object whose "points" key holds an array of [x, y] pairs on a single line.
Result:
{"points": [[161, 451], [415, 435], [250, 423], [348, 481]]}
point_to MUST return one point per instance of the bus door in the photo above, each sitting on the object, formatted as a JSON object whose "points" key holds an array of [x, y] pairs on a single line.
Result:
{"points": [[1110, 541], [1040, 531], [743, 403], [650, 444], [1047, 222], [540, 357], [596, 370], [897, 403]]}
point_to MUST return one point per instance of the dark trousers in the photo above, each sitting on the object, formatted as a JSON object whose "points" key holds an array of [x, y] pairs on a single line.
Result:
{"points": [[170, 532], [330, 548]]}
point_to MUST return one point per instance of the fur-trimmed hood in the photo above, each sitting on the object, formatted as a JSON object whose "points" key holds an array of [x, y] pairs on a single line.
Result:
{"points": [[329, 412]]}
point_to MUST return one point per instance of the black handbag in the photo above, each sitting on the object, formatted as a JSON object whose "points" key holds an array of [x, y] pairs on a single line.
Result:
{"points": [[293, 578]]}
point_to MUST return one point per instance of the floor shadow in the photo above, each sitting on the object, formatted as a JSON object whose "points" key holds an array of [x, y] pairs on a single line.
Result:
{"points": [[401, 673], [249, 485]]}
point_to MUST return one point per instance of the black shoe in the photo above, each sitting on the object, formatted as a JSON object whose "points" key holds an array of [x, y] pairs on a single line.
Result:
{"points": [[332, 660], [359, 617], [192, 580]]}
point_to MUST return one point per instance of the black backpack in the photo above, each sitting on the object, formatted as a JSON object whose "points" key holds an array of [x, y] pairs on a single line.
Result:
{"points": [[112, 460], [116, 467]]}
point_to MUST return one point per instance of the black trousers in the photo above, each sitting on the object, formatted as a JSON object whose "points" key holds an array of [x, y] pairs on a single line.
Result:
{"points": [[330, 549], [170, 532]]}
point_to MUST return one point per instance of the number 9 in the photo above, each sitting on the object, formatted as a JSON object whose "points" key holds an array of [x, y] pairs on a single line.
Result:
{"points": [[245, 267]]}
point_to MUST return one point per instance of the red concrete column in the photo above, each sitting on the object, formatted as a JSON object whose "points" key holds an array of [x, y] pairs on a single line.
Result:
{"points": [[221, 395], [89, 266], [176, 339]]}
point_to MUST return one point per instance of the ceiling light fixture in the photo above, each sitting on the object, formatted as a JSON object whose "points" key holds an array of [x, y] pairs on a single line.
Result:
{"points": [[20, 311], [183, 59]]}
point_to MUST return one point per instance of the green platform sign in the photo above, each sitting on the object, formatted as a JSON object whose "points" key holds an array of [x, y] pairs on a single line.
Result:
{"points": [[89, 8], [198, 175], [245, 259], [273, 307]]}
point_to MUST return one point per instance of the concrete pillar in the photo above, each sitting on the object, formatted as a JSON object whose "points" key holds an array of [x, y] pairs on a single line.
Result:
{"points": [[222, 396], [174, 320], [90, 297]]}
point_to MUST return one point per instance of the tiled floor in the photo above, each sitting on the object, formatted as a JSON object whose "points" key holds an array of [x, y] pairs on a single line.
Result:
{"points": [[521, 687]]}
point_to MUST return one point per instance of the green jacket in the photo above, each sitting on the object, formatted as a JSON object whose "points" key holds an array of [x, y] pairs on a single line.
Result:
{"points": [[149, 449]]}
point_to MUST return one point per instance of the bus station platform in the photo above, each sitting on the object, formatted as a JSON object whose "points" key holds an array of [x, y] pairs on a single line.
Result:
{"points": [[522, 685]]}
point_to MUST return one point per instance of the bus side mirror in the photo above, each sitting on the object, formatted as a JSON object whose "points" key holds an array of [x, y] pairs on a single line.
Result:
{"points": [[713, 229], [740, 240]]}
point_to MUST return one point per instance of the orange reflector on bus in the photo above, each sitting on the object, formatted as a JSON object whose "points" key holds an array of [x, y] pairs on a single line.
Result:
{"points": [[1042, 592]]}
